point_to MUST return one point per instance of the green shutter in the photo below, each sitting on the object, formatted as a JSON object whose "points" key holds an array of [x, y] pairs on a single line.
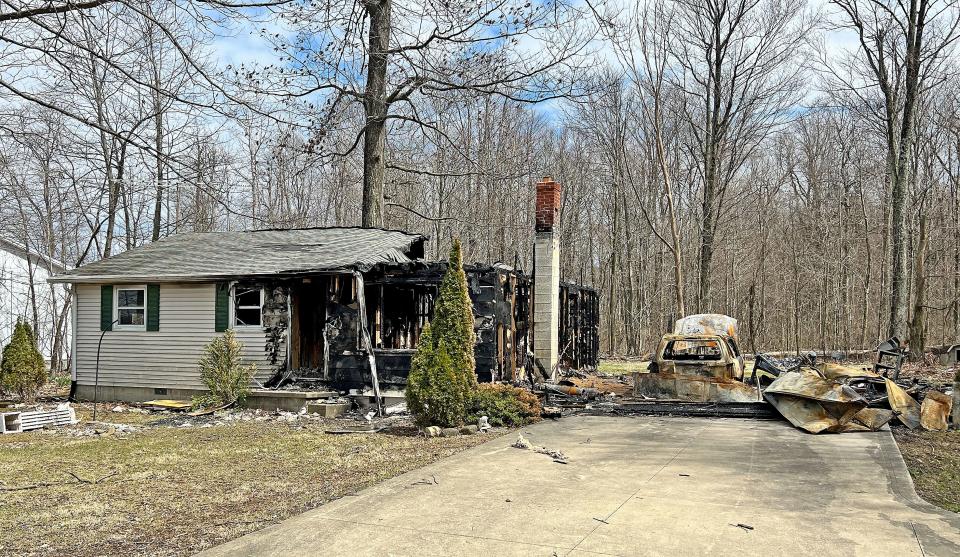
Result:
{"points": [[106, 307], [153, 307], [222, 311]]}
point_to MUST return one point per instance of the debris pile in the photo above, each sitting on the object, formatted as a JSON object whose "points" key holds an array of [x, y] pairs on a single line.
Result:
{"points": [[522, 443], [701, 376], [578, 391], [836, 398], [816, 404], [20, 421]]}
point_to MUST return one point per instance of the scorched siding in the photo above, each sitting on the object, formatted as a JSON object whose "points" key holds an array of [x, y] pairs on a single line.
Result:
{"points": [[165, 358]]}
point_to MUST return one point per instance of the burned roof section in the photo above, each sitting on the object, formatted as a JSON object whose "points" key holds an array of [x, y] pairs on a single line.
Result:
{"points": [[198, 256]]}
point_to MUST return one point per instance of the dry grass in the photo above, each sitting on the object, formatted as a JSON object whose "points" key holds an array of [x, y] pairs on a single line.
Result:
{"points": [[175, 491], [933, 459], [621, 367]]}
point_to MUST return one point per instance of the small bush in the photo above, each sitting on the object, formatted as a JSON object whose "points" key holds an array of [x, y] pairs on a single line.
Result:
{"points": [[62, 380], [435, 392], [22, 370], [223, 373], [504, 405]]}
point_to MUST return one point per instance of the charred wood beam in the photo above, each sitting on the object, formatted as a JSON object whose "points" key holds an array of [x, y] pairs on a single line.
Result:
{"points": [[365, 331]]}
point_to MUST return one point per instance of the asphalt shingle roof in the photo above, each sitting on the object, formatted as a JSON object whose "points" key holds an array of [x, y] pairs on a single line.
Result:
{"points": [[221, 255]]}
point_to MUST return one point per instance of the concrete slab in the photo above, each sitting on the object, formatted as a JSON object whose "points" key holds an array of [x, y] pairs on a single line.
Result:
{"points": [[636, 486]]}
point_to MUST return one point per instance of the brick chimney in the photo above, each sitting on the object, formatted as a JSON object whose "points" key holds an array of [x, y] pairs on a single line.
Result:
{"points": [[548, 204], [546, 276]]}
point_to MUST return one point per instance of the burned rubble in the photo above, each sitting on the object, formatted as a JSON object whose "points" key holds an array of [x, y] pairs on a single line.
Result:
{"points": [[697, 370], [327, 349]]}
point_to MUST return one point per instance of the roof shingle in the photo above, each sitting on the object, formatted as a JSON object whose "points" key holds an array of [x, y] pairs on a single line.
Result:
{"points": [[199, 256]]}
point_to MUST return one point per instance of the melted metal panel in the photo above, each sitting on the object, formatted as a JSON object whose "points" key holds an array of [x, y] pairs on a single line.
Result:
{"points": [[815, 404], [904, 406]]}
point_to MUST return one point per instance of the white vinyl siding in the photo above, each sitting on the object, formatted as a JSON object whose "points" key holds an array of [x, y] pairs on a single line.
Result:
{"points": [[165, 358]]}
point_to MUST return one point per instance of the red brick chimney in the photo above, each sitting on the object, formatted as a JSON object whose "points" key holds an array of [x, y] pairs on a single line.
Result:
{"points": [[546, 277], [548, 204]]}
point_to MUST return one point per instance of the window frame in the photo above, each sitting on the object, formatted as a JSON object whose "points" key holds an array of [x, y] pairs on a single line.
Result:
{"points": [[233, 307], [117, 326], [668, 355]]}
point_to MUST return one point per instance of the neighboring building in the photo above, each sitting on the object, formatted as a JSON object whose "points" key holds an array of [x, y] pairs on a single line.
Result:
{"points": [[947, 355], [23, 289], [310, 306]]}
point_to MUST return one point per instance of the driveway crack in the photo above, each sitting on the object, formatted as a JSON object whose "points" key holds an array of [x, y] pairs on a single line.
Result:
{"points": [[605, 520]]}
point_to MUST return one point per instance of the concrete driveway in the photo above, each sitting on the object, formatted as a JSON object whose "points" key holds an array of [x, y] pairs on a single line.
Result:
{"points": [[636, 486]]}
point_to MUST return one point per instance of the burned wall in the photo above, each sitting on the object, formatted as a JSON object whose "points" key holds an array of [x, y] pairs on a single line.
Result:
{"points": [[399, 300], [276, 322]]}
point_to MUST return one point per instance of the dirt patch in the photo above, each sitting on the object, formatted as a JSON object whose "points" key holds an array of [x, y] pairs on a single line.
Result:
{"points": [[933, 459], [178, 490]]}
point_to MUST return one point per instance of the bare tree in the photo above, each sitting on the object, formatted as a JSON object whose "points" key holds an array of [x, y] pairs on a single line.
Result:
{"points": [[739, 65], [650, 28], [384, 54], [903, 47]]}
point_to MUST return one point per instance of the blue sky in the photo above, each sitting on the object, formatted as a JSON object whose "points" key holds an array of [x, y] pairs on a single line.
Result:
{"points": [[245, 45]]}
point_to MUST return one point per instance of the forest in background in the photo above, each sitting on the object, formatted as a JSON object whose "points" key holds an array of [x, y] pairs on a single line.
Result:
{"points": [[795, 165]]}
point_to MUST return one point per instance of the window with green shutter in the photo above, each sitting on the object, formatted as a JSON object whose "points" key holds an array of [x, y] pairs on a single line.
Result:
{"points": [[130, 308], [222, 308], [153, 307], [106, 307]]}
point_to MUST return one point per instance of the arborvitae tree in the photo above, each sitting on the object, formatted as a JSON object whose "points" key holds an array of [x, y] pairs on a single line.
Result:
{"points": [[442, 373], [453, 319], [22, 370], [435, 393]]}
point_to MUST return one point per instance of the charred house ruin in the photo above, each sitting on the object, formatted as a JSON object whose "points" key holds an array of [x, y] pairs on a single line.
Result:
{"points": [[316, 309]]}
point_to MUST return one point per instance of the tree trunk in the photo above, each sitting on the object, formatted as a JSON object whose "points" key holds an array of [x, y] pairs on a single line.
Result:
{"points": [[712, 133], [707, 234], [956, 400], [903, 178], [917, 323], [899, 279], [675, 247], [158, 203], [375, 109]]}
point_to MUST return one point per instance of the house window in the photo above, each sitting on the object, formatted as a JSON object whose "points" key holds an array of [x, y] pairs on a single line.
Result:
{"points": [[398, 313], [131, 310], [247, 306]]}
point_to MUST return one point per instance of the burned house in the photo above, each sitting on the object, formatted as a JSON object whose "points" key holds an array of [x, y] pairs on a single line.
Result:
{"points": [[317, 309]]}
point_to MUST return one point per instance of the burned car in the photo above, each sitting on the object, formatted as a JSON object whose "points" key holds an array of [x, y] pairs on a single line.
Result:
{"points": [[700, 361], [705, 355]]}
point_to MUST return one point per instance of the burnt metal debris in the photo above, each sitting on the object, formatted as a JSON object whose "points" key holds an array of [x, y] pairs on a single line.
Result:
{"points": [[814, 403], [935, 411], [904, 406], [890, 357], [698, 370], [838, 398]]}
